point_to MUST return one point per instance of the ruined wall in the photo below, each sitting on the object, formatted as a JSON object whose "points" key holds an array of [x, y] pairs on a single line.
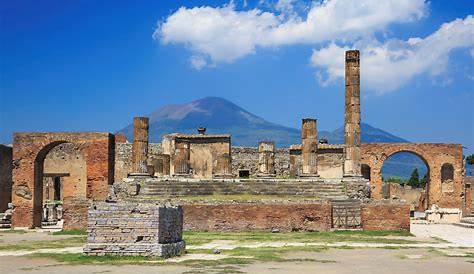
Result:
{"points": [[330, 161], [66, 158], [203, 158], [434, 156], [123, 158], [5, 176], [263, 217], [247, 158], [29, 152], [385, 216], [410, 195]]}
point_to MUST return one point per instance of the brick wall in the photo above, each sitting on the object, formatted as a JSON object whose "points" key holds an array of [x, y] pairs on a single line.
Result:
{"points": [[5, 177], [263, 217], [385, 216]]}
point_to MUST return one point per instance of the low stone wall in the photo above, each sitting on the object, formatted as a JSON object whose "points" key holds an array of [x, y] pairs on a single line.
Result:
{"points": [[133, 229], [258, 217], [385, 216]]}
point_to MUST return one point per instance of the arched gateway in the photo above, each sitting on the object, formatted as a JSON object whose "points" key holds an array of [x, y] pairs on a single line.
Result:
{"points": [[437, 157], [29, 152]]}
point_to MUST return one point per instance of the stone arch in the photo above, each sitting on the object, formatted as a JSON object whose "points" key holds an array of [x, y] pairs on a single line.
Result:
{"points": [[29, 152], [52, 160], [434, 156]]}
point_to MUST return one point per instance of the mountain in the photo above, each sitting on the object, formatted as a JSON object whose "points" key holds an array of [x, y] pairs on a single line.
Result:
{"points": [[222, 116]]}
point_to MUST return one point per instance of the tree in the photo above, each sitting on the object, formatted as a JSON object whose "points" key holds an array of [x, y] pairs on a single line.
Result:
{"points": [[470, 159], [414, 179], [424, 181]]}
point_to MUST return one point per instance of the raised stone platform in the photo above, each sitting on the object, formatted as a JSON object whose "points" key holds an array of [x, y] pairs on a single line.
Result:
{"points": [[320, 189], [134, 229]]}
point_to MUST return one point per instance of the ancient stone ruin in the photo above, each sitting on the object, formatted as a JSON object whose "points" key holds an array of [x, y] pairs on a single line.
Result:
{"points": [[55, 178]]}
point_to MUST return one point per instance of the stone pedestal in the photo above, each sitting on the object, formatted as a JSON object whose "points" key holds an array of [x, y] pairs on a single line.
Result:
{"points": [[134, 229]]}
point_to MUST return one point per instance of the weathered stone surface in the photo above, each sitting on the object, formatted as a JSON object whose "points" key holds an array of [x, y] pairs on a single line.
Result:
{"points": [[266, 158], [352, 134], [134, 229], [385, 215], [29, 152], [6, 158], [140, 145], [309, 147], [434, 155], [263, 217]]}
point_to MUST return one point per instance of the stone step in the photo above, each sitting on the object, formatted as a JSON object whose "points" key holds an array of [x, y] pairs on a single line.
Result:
{"points": [[468, 220], [465, 225]]}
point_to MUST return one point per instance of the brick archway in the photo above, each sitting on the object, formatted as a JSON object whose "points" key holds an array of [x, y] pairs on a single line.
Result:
{"points": [[434, 156], [29, 151]]}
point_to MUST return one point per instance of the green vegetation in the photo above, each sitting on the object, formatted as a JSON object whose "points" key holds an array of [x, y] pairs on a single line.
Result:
{"points": [[414, 178], [199, 238], [414, 181], [79, 258], [470, 159], [71, 232], [33, 245], [7, 231], [395, 179]]}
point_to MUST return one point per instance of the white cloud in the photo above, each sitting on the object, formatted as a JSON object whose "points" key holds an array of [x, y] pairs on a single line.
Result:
{"points": [[225, 34], [197, 62], [388, 66]]}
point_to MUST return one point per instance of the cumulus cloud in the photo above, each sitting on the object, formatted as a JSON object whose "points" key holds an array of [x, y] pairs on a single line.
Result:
{"points": [[225, 34], [392, 64]]}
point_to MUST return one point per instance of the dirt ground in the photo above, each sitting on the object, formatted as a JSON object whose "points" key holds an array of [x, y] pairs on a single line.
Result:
{"points": [[332, 261], [453, 253]]}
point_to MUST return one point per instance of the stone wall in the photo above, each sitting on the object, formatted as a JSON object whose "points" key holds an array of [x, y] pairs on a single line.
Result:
{"points": [[258, 217], [133, 229], [123, 158], [385, 216], [5, 177], [330, 161], [29, 153], [410, 195], [67, 162], [75, 213]]}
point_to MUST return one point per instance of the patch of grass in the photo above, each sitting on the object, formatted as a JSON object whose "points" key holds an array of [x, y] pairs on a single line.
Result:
{"points": [[33, 245], [199, 238], [79, 258], [8, 231], [71, 232]]}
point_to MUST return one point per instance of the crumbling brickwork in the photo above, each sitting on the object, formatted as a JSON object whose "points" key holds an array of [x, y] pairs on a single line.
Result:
{"points": [[29, 152], [434, 156], [5, 176], [123, 158], [134, 229], [263, 217], [385, 216]]}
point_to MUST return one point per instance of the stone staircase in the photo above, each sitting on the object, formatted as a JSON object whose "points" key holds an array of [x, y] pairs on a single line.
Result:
{"points": [[324, 190], [467, 222]]}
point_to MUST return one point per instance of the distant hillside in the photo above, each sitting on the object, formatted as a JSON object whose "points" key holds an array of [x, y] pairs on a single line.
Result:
{"points": [[221, 116]]}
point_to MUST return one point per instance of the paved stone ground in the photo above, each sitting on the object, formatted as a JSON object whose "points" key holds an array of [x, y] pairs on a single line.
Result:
{"points": [[454, 234], [431, 255]]}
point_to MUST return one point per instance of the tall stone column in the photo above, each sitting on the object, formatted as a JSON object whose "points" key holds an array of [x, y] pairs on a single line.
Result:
{"points": [[309, 148], [140, 145], [352, 167], [266, 159]]}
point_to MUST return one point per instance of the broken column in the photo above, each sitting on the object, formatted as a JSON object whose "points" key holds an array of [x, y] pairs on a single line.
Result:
{"points": [[181, 158], [266, 159], [352, 166], [140, 146], [295, 160], [309, 148]]}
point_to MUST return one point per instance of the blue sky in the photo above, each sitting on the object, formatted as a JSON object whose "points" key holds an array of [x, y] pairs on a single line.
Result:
{"points": [[93, 65]]}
